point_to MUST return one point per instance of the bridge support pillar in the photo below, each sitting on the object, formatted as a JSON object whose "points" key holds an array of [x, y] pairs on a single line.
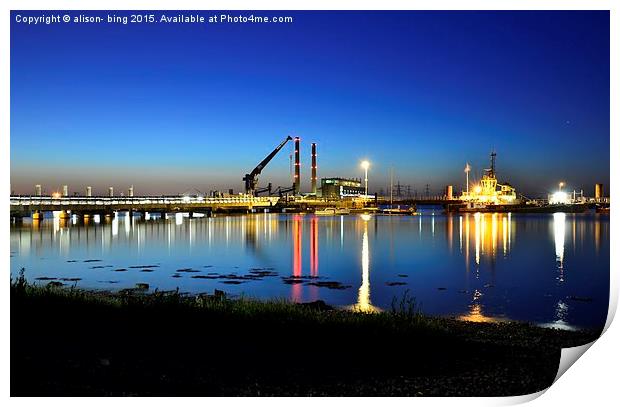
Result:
{"points": [[162, 215]]}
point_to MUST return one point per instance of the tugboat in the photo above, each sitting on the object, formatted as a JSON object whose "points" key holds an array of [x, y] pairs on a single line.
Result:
{"points": [[489, 195]]}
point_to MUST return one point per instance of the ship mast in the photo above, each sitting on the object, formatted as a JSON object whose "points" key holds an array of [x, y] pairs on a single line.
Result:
{"points": [[493, 155]]}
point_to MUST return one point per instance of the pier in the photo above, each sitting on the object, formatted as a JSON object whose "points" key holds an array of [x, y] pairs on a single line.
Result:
{"points": [[35, 206]]}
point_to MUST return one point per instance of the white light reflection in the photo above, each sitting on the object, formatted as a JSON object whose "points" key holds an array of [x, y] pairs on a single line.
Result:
{"points": [[127, 224], [363, 298], [114, 225], [559, 231]]}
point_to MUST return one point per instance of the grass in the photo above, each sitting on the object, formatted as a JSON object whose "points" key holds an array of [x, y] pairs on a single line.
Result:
{"points": [[66, 341]]}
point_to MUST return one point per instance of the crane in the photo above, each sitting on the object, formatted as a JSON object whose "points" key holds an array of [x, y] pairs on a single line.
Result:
{"points": [[251, 179]]}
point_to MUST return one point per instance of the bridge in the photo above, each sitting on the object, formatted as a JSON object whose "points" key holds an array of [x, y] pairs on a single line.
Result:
{"points": [[34, 206]]}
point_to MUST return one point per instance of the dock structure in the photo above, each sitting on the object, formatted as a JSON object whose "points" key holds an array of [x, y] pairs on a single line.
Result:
{"points": [[33, 206]]}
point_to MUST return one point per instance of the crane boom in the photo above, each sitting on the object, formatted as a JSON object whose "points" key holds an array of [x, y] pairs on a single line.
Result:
{"points": [[251, 179]]}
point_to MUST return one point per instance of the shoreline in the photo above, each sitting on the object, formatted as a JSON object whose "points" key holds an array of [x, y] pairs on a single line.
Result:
{"points": [[73, 342]]}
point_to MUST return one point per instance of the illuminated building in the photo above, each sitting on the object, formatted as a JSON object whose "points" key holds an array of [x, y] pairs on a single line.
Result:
{"points": [[489, 191], [341, 187]]}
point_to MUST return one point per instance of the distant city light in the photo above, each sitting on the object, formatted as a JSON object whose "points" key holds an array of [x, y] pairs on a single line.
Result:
{"points": [[559, 197], [186, 199]]}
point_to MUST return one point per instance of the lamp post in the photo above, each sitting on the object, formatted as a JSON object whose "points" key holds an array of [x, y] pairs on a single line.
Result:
{"points": [[561, 185], [365, 165], [467, 169]]}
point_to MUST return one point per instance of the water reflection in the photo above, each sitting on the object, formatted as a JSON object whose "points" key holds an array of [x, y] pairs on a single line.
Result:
{"points": [[486, 235], [314, 247], [363, 295], [559, 232], [297, 259], [486, 278]]}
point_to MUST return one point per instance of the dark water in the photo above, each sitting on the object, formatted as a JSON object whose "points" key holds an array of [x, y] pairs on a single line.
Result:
{"points": [[545, 268]]}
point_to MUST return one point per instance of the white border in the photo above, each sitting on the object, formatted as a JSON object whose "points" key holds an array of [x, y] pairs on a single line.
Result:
{"points": [[593, 376]]}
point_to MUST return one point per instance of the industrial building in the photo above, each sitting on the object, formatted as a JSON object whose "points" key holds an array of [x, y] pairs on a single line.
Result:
{"points": [[341, 187]]}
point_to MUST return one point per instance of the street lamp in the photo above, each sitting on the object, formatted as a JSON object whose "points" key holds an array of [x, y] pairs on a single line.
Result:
{"points": [[467, 170], [365, 165], [561, 185]]}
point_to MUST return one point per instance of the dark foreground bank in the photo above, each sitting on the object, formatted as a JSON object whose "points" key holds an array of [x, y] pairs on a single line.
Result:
{"points": [[70, 342]]}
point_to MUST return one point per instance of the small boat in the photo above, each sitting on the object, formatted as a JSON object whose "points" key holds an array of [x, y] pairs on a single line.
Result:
{"points": [[410, 210], [332, 211]]}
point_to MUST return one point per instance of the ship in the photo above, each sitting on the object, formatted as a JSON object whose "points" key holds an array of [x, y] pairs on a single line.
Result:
{"points": [[489, 192]]}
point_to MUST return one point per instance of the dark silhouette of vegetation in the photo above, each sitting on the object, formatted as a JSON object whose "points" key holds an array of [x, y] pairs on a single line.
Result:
{"points": [[66, 341]]}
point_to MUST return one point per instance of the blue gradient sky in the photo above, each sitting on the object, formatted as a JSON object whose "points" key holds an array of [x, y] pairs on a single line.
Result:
{"points": [[169, 108]]}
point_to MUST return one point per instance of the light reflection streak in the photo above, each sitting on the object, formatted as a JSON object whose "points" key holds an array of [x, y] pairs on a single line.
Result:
{"points": [[127, 224], [341, 231], [363, 298], [477, 236], [493, 233], [559, 231], [449, 225], [314, 247], [461, 233], [297, 256], [115, 226], [420, 227], [504, 234]]}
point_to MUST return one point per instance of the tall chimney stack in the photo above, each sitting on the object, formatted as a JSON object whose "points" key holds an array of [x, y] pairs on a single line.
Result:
{"points": [[313, 177], [297, 166]]}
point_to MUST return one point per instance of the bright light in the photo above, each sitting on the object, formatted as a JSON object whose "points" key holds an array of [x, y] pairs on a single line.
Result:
{"points": [[477, 189], [365, 217], [559, 198], [56, 195], [186, 199], [365, 164]]}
